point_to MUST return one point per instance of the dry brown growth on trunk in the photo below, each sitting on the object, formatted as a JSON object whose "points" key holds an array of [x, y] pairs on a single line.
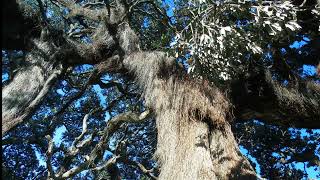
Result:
{"points": [[194, 137], [195, 100]]}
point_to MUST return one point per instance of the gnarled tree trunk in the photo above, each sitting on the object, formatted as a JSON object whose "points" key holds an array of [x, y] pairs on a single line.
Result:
{"points": [[195, 140], [194, 137]]}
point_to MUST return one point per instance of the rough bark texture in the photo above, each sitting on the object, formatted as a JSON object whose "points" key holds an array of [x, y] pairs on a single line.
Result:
{"points": [[194, 136], [21, 97]]}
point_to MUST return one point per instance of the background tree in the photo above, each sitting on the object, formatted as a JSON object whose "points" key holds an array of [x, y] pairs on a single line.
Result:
{"points": [[102, 89]]}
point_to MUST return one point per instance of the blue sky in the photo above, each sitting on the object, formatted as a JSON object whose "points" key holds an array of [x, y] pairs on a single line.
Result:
{"points": [[169, 3]]}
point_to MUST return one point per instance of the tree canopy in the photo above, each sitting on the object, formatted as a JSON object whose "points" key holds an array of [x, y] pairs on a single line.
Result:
{"points": [[160, 89]]}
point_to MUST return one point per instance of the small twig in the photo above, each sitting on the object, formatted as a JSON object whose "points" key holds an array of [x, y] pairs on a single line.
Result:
{"points": [[106, 164], [148, 172], [84, 130]]}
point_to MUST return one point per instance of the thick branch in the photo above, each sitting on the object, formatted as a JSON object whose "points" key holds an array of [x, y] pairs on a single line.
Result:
{"points": [[260, 97], [19, 102]]}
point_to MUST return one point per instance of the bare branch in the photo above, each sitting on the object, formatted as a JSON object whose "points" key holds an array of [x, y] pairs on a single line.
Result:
{"points": [[127, 117], [148, 172], [85, 142], [112, 126], [49, 156], [106, 164], [73, 148]]}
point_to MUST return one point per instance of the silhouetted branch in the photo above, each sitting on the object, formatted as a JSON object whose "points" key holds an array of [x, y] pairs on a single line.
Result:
{"points": [[113, 125]]}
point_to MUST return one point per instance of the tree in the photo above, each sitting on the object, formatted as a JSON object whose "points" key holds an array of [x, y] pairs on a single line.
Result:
{"points": [[229, 63]]}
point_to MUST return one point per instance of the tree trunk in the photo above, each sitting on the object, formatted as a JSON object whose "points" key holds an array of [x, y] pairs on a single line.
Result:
{"points": [[195, 140], [32, 82], [194, 151]]}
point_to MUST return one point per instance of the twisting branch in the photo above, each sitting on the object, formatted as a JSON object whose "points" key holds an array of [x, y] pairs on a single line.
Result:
{"points": [[55, 121], [128, 117], [93, 79], [78, 34], [119, 87], [49, 154], [73, 147], [148, 172], [112, 126], [106, 164]]}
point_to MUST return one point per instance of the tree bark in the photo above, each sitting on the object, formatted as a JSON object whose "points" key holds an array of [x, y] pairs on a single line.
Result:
{"points": [[33, 81], [195, 151], [194, 136]]}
